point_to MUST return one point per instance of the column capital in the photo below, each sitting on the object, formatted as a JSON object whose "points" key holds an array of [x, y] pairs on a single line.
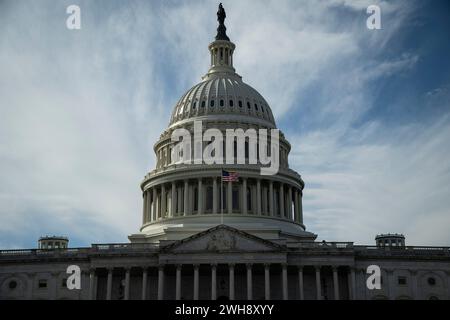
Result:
{"points": [[179, 266], [284, 265], [110, 269], [231, 265], [266, 265], [334, 268], [249, 265], [317, 268], [213, 265], [196, 265], [300, 268], [161, 267]]}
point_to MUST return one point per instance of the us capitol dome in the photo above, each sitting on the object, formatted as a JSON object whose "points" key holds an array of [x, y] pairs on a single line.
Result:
{"points": [[180, 200]]}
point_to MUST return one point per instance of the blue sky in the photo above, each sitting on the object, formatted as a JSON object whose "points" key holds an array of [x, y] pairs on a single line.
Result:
{"points": [[366, 111]]}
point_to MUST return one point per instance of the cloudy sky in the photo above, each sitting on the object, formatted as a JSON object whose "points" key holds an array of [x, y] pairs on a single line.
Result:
{"points": [[367, 111]]}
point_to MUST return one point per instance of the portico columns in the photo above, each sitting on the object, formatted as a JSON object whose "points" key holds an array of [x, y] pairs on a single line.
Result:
{"points": [[173, 199], [318, 287], [231, 269], [300, 283], [271, 213], [352, 283], [160, 282], [258, 197], [213, 282], [109, 284], [196, 281], [267, 281], [186, 198], [178, 283], [91, 284], [215, 201], [249, 282], [244, 196], [282, 212], [335, 283], [230, 198], [414, 285], [390, 281], [285, 283], [144, 283], [127, 284]]}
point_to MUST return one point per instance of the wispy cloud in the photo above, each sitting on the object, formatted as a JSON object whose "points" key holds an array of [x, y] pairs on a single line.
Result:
{"points": [[80, 111]]}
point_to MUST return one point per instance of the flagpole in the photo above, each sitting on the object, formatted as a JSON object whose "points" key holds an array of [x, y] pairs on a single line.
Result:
{"points": [[221, 196]]}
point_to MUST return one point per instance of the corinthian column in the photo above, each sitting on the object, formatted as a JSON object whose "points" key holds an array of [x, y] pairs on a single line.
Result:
{"points": [[282, 212], [271, 213], [173, 200], [230, 198], [200, 196], [258, 197], [163, 201], [186, 198], [215, 201], [244, 196]]}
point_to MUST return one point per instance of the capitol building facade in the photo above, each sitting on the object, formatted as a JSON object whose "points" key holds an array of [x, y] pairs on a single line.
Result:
{"points": [[205, 238]]}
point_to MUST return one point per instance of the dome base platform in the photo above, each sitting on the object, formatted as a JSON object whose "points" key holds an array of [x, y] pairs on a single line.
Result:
{"points": [[178, 228]]}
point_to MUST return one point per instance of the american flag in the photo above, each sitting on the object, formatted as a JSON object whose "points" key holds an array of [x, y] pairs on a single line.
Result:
{"points": [[230, 176]]}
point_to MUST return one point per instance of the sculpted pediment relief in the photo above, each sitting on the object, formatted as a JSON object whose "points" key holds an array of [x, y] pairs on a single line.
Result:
{"points": [[222, 239]]}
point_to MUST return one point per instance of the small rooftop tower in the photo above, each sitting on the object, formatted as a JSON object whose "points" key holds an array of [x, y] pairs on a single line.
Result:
{"points": [[391, 240], [53, 242]]}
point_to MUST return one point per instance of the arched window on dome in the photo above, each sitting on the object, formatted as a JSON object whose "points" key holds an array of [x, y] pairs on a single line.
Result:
{"points": [[248, 105], [203, 103], [194, 105], [240, 103], [211, 104], [231, 103], [256, 107], [222, 103]]}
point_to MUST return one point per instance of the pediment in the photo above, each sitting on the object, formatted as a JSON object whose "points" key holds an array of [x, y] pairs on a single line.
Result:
{"points": [[223, 239]]}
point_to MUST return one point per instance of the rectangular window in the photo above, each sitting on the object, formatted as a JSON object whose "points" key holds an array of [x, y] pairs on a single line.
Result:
{"points": [[402, 281], [42, 284]]}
